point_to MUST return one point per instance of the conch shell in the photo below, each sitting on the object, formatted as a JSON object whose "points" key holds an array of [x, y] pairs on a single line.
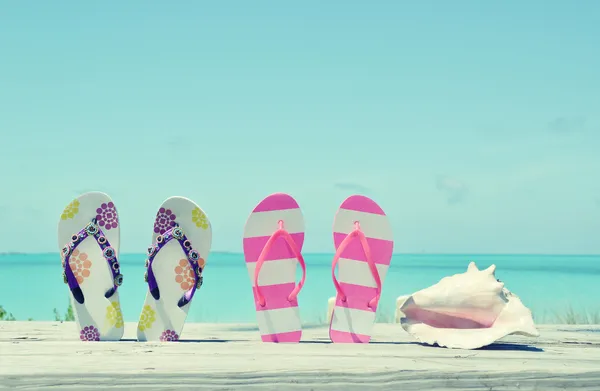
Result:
{"points": [[465, 311]]}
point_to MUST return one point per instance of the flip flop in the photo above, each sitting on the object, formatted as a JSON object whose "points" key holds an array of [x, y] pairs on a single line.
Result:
{"points": [[182, 238], [89, 238], [273, 238], [362, 235]]}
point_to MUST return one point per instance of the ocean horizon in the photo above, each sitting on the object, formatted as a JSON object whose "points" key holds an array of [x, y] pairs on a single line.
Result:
{"points": [[31, 284]]}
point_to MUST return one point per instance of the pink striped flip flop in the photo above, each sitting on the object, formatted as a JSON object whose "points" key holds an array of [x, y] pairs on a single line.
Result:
{"points": [[364, 244], [273, 239]]}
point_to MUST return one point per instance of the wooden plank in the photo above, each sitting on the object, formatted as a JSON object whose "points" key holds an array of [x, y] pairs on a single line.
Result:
{"points": [[224, 356]]}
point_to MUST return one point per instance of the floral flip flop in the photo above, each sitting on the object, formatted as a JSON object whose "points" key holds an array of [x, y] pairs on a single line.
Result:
{"points": [[181, 243], [89, 238]]}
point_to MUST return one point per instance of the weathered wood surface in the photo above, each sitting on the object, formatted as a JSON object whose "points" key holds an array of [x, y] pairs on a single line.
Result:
{"points": [[37, 355]]}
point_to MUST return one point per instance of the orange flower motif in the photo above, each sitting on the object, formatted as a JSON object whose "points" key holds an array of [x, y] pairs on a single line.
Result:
{"points": [[185, 275], [80, 265]]}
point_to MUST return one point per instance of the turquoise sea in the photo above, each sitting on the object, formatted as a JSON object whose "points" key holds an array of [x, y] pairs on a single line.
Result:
{"points": [[31, 284]]}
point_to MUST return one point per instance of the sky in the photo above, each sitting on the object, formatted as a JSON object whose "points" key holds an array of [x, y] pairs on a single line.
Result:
{"points": [[475, 125]]}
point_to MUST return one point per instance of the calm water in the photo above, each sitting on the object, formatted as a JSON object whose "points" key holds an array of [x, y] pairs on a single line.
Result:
{"points": [[31, 285]]}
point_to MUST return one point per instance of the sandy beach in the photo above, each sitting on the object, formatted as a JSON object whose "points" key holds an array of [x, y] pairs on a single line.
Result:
{"points": [[230, 357]]}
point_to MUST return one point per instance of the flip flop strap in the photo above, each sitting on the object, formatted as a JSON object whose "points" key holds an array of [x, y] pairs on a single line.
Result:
{"points": [[91, 230], [357, 232], [175, 233], [280, 233]]}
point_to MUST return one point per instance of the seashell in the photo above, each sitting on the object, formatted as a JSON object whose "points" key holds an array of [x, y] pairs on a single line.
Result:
{"points": [[465, 311]]}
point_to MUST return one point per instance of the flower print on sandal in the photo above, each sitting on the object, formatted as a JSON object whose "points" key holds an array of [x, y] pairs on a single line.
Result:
{"points": [[89, 239], [181, 239]]}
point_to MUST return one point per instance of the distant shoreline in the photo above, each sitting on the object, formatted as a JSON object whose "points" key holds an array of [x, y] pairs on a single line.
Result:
{"points": [[331, 253], [568, 315]]}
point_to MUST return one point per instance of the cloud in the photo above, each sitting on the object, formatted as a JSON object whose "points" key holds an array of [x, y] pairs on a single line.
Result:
{"points": [[175, 141], [352, 186], [13, 212], [567, 125], [454, 189], [82, 190]]}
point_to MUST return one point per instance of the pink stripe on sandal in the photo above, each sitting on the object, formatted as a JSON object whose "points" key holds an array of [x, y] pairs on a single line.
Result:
{"points": [[273, 239], [364, 244]]}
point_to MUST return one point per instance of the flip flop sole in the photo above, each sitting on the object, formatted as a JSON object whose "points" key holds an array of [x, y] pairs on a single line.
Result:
{"points": [[352, 321], [97, 318], [163, 319], [279, 319]]}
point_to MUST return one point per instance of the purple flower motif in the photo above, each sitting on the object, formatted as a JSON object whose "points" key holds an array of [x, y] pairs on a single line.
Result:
{"points": [[89, 333], [169, 336], [106, 216], [165, 219]]}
